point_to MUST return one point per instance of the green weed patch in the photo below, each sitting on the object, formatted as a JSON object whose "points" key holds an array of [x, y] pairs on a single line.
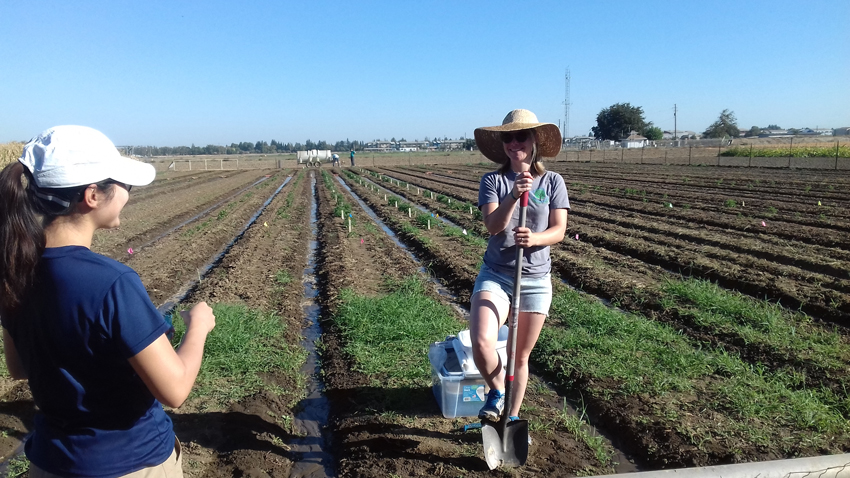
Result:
{"points": [[388, 336], [757, 322], [842, 151], [614, 354], [244, 344]]}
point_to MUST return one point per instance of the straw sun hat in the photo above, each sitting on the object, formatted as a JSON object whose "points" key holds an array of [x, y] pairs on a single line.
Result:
{"points": [[489, 141]]}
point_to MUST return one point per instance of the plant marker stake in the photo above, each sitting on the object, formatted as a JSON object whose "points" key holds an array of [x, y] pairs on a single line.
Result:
{"points": [[763, 224], [349, 224], [361, 241], [429, 224], [342, 215], [464, 232], [265, 224], [576, 236], [409, 214], [130, 251], [385, 197], [818, 203]]}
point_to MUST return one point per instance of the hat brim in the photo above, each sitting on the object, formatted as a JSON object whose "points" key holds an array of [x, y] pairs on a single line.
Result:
{"points": [[132, 172], [118, 168], [490, 144]]}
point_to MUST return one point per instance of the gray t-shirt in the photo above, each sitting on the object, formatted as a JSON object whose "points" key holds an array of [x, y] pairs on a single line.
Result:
{"points": [[547, 192]]}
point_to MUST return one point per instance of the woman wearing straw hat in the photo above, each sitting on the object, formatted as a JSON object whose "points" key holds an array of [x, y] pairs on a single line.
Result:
{"points": [[518, 146]]}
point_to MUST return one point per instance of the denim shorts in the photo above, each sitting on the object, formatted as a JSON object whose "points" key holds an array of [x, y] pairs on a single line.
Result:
{"points": [[535, 293]]}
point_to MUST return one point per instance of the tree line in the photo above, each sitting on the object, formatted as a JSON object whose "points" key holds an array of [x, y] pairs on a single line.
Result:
{"points": [[620, 120], [244, 147], [616, 122]]}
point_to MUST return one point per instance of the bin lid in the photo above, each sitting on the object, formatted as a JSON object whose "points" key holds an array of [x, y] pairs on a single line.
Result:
{"points": [[452, 366]]}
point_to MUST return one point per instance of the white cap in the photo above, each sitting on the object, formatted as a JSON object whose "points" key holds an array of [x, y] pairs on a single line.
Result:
{"points": [[68, 156]]}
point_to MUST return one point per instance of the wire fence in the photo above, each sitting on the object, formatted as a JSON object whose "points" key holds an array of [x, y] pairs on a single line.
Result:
{"points": [[708, 152]]}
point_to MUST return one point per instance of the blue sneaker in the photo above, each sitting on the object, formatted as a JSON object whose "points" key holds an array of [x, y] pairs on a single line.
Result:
{"points": [[493, 406]]}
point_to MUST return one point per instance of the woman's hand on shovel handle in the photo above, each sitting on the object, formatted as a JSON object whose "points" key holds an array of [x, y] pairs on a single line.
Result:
{"points": [[522, 184], [523, 237]]}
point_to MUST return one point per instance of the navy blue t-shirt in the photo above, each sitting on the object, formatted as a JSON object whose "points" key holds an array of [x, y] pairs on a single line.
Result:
{"points": [[86, 315]]}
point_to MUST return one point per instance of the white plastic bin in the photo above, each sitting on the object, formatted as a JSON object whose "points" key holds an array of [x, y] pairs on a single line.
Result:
{"points": [[457, 394]]}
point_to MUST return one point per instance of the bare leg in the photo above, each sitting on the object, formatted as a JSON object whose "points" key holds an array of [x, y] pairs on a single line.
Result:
{"points": [[487, 314], [528, 330]]}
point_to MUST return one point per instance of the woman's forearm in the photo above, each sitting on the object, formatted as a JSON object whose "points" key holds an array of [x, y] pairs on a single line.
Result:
{"points": [[497, 221], [550, 236]]}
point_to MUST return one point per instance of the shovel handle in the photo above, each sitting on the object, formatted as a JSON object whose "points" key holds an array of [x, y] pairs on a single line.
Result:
{"points": [[514, 320]]}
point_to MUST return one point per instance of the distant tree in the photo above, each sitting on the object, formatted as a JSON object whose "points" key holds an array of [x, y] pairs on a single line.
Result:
{"points": [[754, 131], [773, 126], [469, 144], [393, 139], [653, 133], [793, 131], [618, 120], [726, 125]]}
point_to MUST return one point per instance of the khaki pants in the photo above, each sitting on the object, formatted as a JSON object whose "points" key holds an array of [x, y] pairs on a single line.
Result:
{"points": [[171, 468]]}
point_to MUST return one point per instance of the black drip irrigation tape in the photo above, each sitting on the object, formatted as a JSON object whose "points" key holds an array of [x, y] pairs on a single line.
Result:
{"points": [[195, 218], [184, 292], [441, 288], [312, 444], [417, 206]]}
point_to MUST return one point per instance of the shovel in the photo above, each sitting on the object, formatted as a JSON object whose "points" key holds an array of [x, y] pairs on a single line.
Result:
{"points": [[506, 442]]}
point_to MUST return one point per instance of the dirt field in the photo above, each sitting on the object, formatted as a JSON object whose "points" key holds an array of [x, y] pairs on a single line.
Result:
{"points": [[779, 236]]}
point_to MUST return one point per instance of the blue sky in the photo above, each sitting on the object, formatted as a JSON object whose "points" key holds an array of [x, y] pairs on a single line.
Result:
{"points": [[171, 73]]}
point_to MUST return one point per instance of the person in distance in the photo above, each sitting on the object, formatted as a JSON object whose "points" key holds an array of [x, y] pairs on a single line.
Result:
{"points": [[518, 146], [80, 326]]}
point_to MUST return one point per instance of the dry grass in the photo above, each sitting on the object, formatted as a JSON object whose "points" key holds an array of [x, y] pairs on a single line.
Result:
{"points": [[10, 152]]}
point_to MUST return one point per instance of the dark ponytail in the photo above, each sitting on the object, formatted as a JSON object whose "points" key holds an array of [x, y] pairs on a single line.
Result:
{"points": [[22, 239]]}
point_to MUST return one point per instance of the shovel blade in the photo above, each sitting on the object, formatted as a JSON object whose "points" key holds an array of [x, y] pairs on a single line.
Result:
{"points": [[510, 449]]}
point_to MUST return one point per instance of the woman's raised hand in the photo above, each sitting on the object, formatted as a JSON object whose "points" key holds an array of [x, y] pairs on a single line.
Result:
{"points": [[201, 315], [522, 184]]}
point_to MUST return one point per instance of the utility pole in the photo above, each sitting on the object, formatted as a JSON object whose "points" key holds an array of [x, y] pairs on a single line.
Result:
{"points": [[566, 129], [675, 126]]}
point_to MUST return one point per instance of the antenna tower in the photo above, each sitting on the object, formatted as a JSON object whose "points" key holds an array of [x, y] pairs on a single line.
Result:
{"points": [[567, 105]]}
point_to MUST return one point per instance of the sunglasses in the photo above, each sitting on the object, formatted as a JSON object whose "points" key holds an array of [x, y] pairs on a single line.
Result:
{"points": [[519, 136], [126, 186], [105, 183]]}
